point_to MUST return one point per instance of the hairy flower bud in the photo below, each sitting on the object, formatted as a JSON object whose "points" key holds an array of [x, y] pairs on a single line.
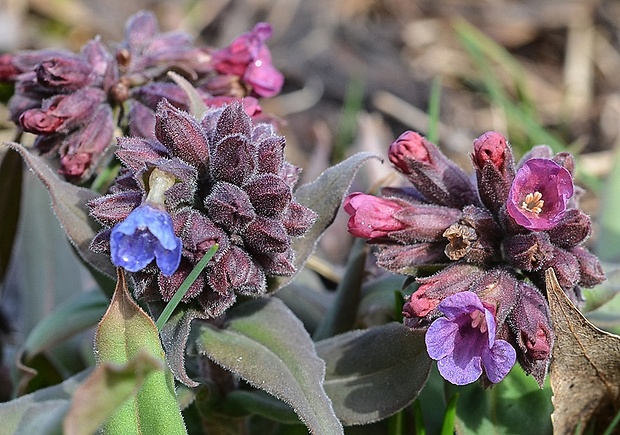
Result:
{"points": [[66, 74], [372, 217], [435, 176], [529, 252], [531, 326], [494, 166], [590, 271], [574, 228]]}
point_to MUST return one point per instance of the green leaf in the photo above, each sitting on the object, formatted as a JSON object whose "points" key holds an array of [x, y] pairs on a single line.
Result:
{"points": [[40, 412], [374, 373], [10, 199], [324, 196], [265, 344], [515, 405], [69, 205], [340, 316], [257, 402], [174, 336], [80, 313], [124, 332], [105, 390]]}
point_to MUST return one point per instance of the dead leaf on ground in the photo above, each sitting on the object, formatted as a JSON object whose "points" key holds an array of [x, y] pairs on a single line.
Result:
{"points": [[585, 369]]}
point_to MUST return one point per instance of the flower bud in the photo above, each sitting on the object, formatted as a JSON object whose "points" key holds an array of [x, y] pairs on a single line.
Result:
{"points": [[574, 228], [65, 74], [528, 252], [372, 217], [590, 270], [62, 113], [435, 176], [435, 288], [424, 223], [493, 161], [566, 268], [405, 259], [531, 326]]}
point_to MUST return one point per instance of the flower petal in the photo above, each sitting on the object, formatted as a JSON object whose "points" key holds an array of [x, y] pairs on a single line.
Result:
{"points": [[498, 360], [441, 338]]}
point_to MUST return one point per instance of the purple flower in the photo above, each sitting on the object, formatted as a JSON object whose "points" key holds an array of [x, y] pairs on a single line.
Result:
{"points": [[464, 342], [147, 234], [539, 194]]}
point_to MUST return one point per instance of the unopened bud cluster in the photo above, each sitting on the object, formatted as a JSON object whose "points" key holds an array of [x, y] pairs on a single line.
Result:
{"points": [[72, 101], [492, 239], [218, 180]]}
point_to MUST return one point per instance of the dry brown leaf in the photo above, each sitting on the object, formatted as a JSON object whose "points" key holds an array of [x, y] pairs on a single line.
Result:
{"points": [[585, 369]]}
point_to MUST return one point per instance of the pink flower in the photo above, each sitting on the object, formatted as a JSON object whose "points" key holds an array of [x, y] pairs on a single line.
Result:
{"points": [[539, 194], [248, 58], [372, 217]]}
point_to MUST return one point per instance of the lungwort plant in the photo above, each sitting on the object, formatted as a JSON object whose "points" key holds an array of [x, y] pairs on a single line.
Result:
{"points": [[173, 188]]}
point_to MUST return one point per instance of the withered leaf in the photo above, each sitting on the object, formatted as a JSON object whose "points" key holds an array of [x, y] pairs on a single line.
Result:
{"points": [[585, 369]]}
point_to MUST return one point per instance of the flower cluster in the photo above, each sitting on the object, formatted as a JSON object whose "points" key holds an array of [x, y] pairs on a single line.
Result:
{"points": [[221, 180], [492, 240], [73, 102]]}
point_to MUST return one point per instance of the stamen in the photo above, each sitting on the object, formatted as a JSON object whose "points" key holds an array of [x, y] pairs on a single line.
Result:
{"points": [[478, 321], [533, 203]]}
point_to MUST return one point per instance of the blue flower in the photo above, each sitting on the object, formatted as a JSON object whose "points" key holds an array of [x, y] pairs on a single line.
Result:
{"points": [[463, 342], [146, 235]]}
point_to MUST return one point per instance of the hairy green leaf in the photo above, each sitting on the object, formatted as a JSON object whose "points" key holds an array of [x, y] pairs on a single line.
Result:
{"points": [[374, 373], [265, 344]]}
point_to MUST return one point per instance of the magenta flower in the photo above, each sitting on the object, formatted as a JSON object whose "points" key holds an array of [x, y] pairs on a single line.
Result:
{"points": [[463, 342], [372, 217], [539, 194], [147, 234], [248, 58]]}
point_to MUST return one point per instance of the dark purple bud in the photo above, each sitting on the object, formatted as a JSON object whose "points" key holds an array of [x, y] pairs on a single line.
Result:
{"points": [[168, 285], [62, 113], [66, 74], [405, 259], [270, 154], [372, 218], [529, 252], [141, 121], [236, 271], [136, 153], [140, 29], [539, 194], [574, 228], [102, 62], [566, 268], [298, 219], [182, 135], [566, 160], [114, 208], [531, 326], [277, 263], [199, 234], [431, 172], [232, 120], [494, 166], [152, 93], [269, 194], [590, 268], [233, 159], [227, 85], [12, 65], [266, 235], [498, 289], [423, 223], [230, 207]]}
